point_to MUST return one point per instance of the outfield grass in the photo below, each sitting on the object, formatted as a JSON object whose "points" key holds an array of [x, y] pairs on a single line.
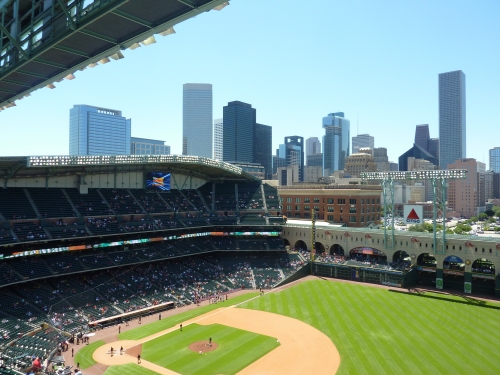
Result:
{"points": [[128, 369], [84, 355], [379, 332], [171, 321], [237, 349]]}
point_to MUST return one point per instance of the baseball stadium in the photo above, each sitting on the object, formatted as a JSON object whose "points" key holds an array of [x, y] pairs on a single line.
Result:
{"points": [[165, 264]]}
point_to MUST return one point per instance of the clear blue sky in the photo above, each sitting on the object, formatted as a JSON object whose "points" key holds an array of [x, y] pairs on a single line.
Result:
{"points": [[295, 62]]}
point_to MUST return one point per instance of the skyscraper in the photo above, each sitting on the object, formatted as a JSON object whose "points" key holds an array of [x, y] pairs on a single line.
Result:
{"points": [[452, 123], [218, 140], [362, 141], [424, 141], [294, 153], [422, 136], [381, 158], [239, 124], [495, 159], [336, 142], [98, 131], [313, 146], [143, 146], [197, 133], [262, 148], [467, 196]]}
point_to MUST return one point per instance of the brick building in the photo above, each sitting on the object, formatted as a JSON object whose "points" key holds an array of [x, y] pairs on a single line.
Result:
{"points": [[355, 206]]}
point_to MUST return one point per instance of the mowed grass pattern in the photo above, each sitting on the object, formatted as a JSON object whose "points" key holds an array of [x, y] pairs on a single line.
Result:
{"points": [[174, 320], [237, 349], [128, 369], [382, 332], [84, 355]]}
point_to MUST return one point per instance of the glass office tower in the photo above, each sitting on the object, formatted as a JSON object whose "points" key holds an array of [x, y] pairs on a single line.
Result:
{"points": [[144, 146], [362, 141], [239, 121], [263, 148], [495, 159], [197, 128], [98, 131], [336, 142], [452, 137]]}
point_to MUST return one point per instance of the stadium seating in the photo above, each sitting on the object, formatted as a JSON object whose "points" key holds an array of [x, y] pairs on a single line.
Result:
{"points": [[151, 201], [250, 197], [52, 203], [6, 236], [121, 201], [14, 204], [206, 193], [253, 244], [7, 274], [194, 198], [272, 199], [67, 231], [103, 226], [195, 221], [29, 231], [225, 197], [90, 204]]}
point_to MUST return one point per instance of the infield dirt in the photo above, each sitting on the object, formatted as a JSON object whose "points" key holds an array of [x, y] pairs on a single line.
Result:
{"points": [[303, 349]]}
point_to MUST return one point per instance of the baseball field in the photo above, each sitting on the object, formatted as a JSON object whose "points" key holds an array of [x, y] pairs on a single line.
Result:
{"points": [[316, 325]]}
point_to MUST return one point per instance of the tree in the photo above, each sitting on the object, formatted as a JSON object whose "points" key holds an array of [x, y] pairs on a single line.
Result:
{"points": [[483, 216], [496, 210], [490, 213], [473, 219], [449, 231]]}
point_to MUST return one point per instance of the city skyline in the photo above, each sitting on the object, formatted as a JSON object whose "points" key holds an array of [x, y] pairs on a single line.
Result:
{"points": [[387, 94]]}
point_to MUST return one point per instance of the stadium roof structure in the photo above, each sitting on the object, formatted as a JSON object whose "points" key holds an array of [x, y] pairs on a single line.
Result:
{"points": [[197, 166], [42, 43]]}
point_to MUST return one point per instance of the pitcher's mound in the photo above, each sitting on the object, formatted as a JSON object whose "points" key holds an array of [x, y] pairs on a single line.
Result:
{"points": [[202, 346]]}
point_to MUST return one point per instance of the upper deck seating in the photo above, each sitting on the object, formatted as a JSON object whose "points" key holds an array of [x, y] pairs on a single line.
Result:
{"points": [[225, 197], [14, 204], [194, 198], [90, 204], [29, 231], [151, 201], [121, 201], [6, 236], [250, 197], [52, 203], [176, 200], [271, 194]]}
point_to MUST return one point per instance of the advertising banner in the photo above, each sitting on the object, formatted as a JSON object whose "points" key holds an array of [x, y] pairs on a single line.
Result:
{"points": [[439, 283], [467, 287], [453, 272], [413, 214]]}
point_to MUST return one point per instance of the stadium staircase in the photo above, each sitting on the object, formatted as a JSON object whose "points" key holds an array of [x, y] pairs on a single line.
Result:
{"points": [[32, 202], [207, 208], [253, 279], [136, 201], [164, 200], [280, 271], [106, 201], [72, 204]]}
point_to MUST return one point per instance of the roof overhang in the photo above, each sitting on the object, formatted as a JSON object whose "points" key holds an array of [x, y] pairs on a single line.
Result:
{"points": [[40, 47]]}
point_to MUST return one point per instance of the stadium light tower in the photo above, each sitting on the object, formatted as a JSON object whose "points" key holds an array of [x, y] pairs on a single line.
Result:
{"points": [[313, 237], [439, 180]]}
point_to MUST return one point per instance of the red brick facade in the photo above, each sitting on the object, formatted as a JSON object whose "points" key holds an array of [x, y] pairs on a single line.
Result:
{"points": [[356, 207]]}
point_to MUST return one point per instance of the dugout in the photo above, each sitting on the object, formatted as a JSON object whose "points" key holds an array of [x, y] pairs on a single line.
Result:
{"points": [[379, 276]]}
